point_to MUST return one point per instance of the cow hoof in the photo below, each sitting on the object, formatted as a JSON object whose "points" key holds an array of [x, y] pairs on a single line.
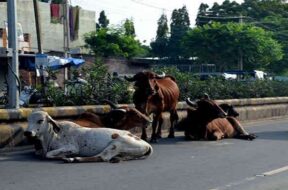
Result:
{"points": [[249, 137], [252, 137], [68, 160], [114, 160], [189, 138], [171, 136], [153, 140]]}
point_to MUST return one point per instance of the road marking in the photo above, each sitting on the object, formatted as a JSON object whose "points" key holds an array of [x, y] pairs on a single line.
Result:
{"points": [[243, 181], [276, 171]]}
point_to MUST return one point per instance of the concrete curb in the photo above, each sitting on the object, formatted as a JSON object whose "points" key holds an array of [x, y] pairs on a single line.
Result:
{"points": [[13, 121]]}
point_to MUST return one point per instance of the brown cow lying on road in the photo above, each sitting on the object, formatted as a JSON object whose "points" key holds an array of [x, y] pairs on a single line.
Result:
{"points": [[72, 143], [155, 94], [123, 118], [206, 120]]}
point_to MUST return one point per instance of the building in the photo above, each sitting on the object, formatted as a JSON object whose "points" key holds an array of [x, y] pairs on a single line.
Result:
{"points": [[52, 33]]}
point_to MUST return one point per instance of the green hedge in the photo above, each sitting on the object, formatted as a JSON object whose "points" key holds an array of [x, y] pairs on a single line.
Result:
{"points": [[219, 88], [101, 85]]}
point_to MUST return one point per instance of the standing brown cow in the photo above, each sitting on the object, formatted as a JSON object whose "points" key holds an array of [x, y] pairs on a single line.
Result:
{"points": [[155, 94]]}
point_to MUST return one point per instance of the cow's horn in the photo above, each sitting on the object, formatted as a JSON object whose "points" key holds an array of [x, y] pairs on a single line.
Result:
{"points": [[191, 103], [111, 104], [130, 79], [120, 110], [206, 96], [161, 76]]}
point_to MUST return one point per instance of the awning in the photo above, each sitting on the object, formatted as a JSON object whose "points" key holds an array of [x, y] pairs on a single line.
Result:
{"points": [[52, 62], [55, 62]]}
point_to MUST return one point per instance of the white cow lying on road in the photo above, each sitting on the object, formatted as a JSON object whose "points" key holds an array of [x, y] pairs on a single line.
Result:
{"points": [[72, 143]]}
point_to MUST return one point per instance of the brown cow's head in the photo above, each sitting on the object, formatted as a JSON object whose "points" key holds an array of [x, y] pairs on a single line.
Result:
{"points": [[126, 118], [155, 102], [145, 81], [207, 108], [229, 109]]}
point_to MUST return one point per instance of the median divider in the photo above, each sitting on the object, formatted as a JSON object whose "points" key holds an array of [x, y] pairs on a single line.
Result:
{"points": [[13, 122]]}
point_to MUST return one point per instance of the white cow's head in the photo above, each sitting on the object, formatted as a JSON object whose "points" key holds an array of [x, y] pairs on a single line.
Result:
{"points": [[39, 123]]}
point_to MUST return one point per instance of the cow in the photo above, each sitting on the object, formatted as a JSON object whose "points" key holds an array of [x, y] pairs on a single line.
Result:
{"points": [[207, 120], [124, 118], [70, 142], [155, 94]]}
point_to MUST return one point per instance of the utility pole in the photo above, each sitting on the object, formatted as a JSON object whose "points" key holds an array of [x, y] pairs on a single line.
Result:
{"points": [[38, 27], [39, 41], [13, 64], [240, 52], [66, 37], [66, 24]]}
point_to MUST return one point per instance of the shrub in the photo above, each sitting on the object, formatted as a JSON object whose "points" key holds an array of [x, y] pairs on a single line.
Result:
{"points": [[219, 88], [101, 85]]}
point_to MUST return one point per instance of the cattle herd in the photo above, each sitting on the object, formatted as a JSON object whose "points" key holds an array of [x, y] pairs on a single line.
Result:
{"points": [[94, 137]]}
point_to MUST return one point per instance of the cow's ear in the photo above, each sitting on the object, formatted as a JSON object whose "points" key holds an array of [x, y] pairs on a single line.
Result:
{"points": [[54, 123]]}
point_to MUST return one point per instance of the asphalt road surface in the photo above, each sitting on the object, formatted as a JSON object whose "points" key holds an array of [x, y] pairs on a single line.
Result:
{"points": [[175, 165]]}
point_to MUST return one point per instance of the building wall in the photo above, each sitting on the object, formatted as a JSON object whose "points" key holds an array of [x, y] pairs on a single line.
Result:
{"points": [[52, 34]]}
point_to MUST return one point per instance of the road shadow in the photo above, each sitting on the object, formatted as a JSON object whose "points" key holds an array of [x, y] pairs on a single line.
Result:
{"points": [[23, 156], [272, 135]]}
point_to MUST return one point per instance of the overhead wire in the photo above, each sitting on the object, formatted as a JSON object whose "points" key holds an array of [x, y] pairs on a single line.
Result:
{"points": [[151, 6]]}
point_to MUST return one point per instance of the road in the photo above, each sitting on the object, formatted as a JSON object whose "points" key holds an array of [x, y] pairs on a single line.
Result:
{"points": [[230, 164]]}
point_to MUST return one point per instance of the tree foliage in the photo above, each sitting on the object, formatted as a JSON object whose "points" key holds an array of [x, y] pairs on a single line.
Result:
{"points": [[107, 42], [220, 44], [271, 15], [129, 28], [159, 46], [180, 24], [103, 21]]}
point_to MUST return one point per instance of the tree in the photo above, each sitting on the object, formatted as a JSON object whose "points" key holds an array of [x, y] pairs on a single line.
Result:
{"points": [[103, 22], [159, 46], [271, 15], [107, 42], [220, 44], [179, 26], [129, 28]]}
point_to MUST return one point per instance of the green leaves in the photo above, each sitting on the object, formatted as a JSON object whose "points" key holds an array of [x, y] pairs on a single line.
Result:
{"points": [[115, 42], [220, 44]]}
